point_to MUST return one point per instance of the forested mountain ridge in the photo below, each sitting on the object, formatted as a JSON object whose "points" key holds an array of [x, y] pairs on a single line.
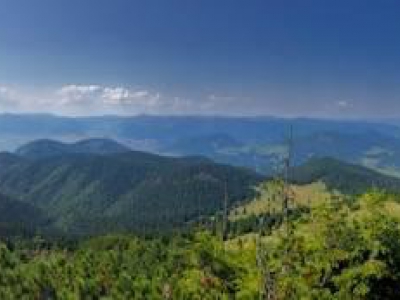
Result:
{"points": [[90, 193], [87, 188], [46, 148], [342, 176]]}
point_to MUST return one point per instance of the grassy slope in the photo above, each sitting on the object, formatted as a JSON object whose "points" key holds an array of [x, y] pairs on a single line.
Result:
{"points": [[303, 195]]}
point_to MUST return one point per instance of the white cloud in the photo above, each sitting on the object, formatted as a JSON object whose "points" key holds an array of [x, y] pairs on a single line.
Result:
{"points": [[126, 97], [6, 92], [78, 89], [344, 104], [8, 98], [75, 99], [106, 99], [116, 95], [94, 99], [3, 90], [219, 98], [77, 94]]}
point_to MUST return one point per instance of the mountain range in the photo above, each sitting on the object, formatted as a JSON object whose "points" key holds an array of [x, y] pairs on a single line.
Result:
{"points": [[98, 186], [255, 142]]}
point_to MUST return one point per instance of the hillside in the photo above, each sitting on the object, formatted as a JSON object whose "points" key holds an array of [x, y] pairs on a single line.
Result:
{"points": [[88, 193], [342, 176], [302, 195], [313, 183], [19, 218], [336, 250]]}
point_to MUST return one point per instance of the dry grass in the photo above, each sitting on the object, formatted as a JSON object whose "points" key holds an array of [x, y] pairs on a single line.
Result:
{"points": [[303, 195]]}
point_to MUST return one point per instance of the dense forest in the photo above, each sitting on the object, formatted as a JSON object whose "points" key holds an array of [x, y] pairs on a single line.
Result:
{"points": [[336, 249], [89, 188], [77, 223]]}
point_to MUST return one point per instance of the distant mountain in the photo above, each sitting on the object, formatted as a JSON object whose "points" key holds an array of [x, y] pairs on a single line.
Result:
{"points": [[342, 176], [255, 142], [47, 148], [90, 193], [8, 159], [204, 145]]}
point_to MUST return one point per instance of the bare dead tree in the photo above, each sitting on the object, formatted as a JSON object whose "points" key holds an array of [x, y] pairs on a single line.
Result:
{"points": [[199, 211], [286, 193], [225, 213], [267, 283]]}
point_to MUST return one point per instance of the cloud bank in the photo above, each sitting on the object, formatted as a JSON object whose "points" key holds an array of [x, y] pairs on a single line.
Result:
{"points": [[94, 99], [75, 99], [97, 99]]}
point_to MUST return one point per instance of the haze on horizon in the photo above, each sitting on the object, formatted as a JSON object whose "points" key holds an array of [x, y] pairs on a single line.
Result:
{"points": [[336, 59]]}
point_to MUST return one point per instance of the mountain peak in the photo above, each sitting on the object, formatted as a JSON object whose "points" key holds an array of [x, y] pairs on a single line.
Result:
{"points": [[45, 148]]}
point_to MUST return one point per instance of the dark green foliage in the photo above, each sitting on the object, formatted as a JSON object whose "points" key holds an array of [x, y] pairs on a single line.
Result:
{"points": [[335, 250], [121, 267], [91, 194], [19, 218], [345, 177], [338, 251]]}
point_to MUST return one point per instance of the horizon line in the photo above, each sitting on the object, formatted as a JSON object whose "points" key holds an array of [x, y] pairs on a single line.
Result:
{"points": [[205, 116]]}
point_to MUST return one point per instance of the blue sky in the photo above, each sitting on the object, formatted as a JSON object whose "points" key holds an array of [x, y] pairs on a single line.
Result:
{"points": [[240, 57]]}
